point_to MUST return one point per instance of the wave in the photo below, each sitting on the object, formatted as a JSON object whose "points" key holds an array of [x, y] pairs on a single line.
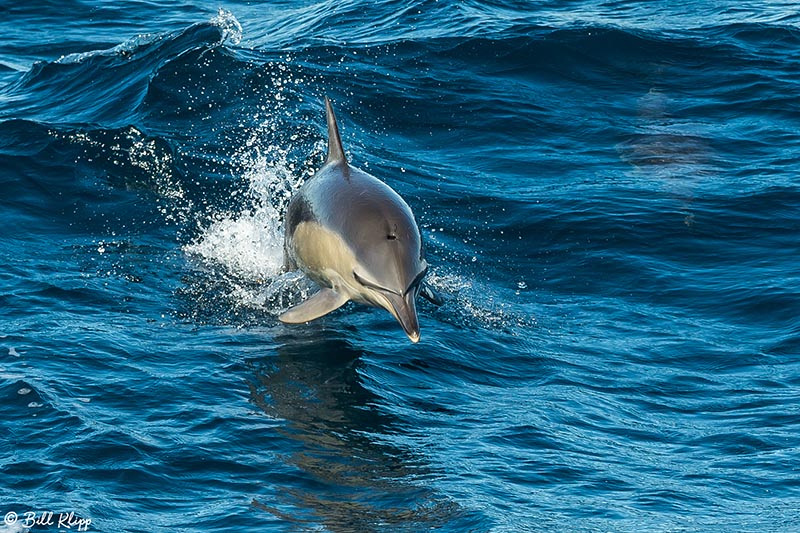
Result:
{"points": [[219, 134], [202, 66], [107, 86]]}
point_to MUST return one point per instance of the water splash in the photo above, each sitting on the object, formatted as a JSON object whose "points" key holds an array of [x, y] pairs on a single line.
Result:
{"points": [[244, 247], [230, 32], [249, 243], [230, 26], [468, 305]]}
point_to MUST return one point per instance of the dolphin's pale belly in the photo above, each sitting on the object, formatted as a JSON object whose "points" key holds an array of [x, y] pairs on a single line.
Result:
{"points": [[322, 254], [327, 259]]}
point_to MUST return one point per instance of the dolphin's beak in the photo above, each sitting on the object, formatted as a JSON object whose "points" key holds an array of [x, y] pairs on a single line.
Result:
{"points": [[404, 309]]}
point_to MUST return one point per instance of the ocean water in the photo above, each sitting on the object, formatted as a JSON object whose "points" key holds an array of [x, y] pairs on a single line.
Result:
{"points": [[610, 197]]}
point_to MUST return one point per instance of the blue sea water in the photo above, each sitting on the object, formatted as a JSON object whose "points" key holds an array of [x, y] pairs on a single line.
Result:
{"points": [[610, 196]]}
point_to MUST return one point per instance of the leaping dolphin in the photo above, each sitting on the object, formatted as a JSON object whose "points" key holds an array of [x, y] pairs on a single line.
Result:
{"points": [[356, 238]]}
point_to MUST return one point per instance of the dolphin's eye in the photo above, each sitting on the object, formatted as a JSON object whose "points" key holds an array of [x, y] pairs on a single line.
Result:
{"points": [[391, 237]]}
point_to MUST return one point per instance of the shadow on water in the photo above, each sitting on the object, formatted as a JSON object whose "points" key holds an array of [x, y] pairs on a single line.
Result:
{"points": [[348, 474]]}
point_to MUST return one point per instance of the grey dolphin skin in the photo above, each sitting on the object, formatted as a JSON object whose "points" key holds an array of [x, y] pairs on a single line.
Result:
{"points": [[356, 238]]}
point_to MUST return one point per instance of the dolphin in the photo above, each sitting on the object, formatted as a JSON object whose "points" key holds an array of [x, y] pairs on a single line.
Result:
{"points": [[357, 239]]}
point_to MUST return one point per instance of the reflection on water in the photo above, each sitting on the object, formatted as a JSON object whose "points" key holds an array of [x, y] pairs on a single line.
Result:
{"points": [[673, 151], [665, 144], [349, 475]]}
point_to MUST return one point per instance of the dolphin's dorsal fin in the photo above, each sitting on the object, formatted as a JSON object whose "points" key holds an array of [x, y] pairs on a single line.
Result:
{"points": [[335, 150]]}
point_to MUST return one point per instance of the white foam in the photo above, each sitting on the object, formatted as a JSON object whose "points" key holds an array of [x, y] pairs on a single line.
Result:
{"points": [[249, 243], [447, 282], [245, 247], [246, 244]]}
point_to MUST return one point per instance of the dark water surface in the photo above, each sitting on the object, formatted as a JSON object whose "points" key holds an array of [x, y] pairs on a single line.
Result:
{"points": [[610, 194]]}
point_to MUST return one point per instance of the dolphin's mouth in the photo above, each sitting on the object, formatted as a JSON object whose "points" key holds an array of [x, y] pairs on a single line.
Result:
{"points": [[404, 309], [402, 306]]}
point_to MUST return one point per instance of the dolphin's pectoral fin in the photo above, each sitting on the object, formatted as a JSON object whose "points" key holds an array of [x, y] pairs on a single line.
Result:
{"points": [[429, 294], [321, 303]]}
